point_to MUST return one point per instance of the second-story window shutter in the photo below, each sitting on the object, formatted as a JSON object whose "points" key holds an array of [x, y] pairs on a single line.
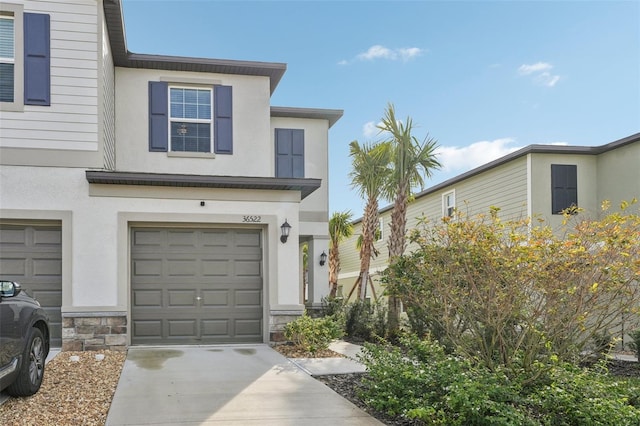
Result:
{"points": [[564, 187], [290, 153], [158, 116], [223, 121], [37, 59]]}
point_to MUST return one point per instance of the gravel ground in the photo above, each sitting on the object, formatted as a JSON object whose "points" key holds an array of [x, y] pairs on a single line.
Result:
{"points": [[72, 392], [80, 392]]}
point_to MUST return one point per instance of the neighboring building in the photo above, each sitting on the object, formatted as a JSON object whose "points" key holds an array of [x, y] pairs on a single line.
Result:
{"points": [[142, 196], [535, 181]]}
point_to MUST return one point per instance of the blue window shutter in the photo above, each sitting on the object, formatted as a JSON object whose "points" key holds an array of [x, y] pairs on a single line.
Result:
{"points": [[37, 59], [290, 153], [158, 116], [223, 121], [297, 153]]}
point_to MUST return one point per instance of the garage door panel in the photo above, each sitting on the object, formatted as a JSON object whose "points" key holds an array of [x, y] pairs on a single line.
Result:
{"points": [[43, 267], [182, 268], [247, 328], [182, 328], [181, 297], [12, 267], [198, 274], [147, 267], [215, 297], [147, 328], [248, 298], [215, 328], [32, 255], [248, 268], [145, 298]]}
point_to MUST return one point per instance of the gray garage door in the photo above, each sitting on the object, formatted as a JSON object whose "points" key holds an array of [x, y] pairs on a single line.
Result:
{"points": [[32, 256], [193, 286]]}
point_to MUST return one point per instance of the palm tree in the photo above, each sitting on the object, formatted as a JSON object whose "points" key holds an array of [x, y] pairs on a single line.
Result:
{"points": [[411, 161], [340, 227], [368, 175]]}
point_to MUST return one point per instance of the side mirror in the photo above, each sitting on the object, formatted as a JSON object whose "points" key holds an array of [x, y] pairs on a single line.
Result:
{"points": [[9, 289]]}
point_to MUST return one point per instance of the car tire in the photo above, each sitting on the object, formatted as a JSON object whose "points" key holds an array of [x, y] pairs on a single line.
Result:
{"points": [[31, 371]]}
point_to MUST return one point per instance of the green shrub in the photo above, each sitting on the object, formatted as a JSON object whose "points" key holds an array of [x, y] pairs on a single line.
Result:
{"points": [[312, 334], [421, 381], [603, 343], [365, 321], [635, 344]]}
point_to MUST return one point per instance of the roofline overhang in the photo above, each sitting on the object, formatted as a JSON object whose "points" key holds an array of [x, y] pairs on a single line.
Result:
{"points": [[306, 186], [331, 115], [123, 58], [530, 149]]}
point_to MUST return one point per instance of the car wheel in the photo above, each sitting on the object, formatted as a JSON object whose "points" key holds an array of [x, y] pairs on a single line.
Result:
{"points": [[32, 369]]}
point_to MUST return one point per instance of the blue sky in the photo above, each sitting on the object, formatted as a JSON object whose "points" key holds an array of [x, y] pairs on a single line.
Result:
{"points": [[483, 78]]}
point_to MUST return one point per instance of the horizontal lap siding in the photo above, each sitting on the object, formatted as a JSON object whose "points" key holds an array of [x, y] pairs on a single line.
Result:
{"points": [[504, 186], [71, 121]]}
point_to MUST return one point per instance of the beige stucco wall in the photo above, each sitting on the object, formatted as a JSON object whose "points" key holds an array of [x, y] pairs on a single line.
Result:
{"points": [[96, 220], [252, 149]]}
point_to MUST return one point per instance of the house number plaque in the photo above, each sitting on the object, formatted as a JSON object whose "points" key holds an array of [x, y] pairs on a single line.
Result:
{"points": [[252, 219]]}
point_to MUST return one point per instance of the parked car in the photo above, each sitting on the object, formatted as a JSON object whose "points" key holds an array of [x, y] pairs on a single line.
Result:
{"points": [[24, 341]]}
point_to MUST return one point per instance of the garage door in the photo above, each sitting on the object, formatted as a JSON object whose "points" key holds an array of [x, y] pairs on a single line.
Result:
{"points": [[32, 256], [193, 286]]}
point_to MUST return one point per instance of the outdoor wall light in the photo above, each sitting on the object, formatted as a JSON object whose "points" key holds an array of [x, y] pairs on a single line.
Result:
{"points": [[284, 229], [323, 258]]}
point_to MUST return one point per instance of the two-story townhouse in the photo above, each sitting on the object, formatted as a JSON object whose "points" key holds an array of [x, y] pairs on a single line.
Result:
{"points": [[535, 181], [150, 199]]}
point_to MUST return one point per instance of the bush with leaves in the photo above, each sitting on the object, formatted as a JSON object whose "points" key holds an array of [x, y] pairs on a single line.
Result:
{"points": [[515, 295], [419, 380], [312, 334], [634, 345], [365, 321]]}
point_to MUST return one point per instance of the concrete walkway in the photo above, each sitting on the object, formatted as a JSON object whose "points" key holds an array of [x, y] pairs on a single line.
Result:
{"points": [[224, 385]]}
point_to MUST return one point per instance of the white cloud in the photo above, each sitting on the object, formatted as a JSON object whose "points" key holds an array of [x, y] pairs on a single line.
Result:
{"points": [[461, 159], [369, 130], [537, 67], [546, 79], [381, 52], [540, 71]]}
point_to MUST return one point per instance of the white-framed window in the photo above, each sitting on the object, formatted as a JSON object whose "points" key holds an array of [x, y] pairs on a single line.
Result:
{"points": [[7, 57], [190, 119], [380, 230], [448, 203]]}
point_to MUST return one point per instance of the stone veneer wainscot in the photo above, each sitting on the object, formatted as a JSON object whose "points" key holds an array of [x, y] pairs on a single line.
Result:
{"points": [[84, 331]]}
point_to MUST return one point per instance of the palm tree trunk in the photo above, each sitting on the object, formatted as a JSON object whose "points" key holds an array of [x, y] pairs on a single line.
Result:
{"points": [[397, 244], [334, 268], [369, 224]]}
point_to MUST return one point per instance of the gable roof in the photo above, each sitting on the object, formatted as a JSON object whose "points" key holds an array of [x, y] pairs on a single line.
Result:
{"points": [[123, 58], [531, 149]]}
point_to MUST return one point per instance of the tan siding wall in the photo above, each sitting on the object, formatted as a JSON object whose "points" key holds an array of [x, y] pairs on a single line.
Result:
{"points": [[71, 122], [504, 187], [619, 174], [541, 187]]}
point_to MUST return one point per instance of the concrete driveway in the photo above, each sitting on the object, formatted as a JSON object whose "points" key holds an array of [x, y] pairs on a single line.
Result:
{"points": [[224, 385]]}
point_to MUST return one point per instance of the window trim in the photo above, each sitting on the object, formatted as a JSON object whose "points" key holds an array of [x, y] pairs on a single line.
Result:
{"points": [[381, 229], [445, 206], [210, 121], [17, 12]]}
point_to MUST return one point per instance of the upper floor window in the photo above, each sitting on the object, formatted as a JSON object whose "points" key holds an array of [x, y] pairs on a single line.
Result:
{"points": [[564, 187], [7, 58], [190, 119], [289, 153], [25, 58], [448, 204]]}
